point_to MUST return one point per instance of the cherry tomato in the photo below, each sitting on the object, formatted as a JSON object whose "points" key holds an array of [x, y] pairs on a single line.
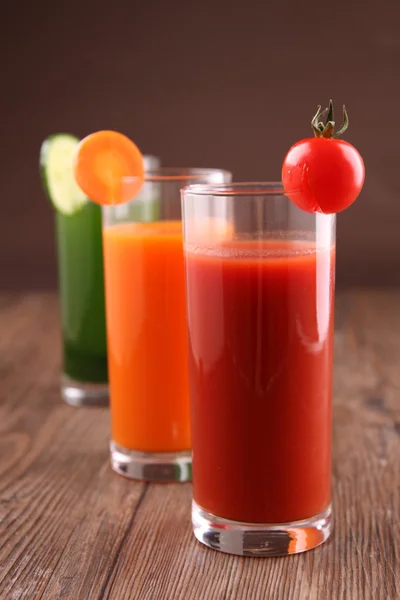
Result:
{"points": [[323, 174]]}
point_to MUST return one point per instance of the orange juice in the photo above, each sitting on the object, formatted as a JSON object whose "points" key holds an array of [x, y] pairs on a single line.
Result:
{"points": [[146, 336]]}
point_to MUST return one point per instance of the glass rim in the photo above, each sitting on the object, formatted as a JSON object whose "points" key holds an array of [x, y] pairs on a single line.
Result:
{"points": [[181, 173], [245, 188]]}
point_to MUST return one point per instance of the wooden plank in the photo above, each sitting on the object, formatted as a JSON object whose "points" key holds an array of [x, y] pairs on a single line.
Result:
{"points": [[70, 528], [63, 515]]}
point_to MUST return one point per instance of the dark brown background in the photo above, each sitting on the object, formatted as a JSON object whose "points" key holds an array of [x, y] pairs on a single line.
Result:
{"points": [[200, 84]]}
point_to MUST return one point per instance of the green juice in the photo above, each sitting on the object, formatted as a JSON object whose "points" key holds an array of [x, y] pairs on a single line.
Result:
{"points": [[81, 281]]}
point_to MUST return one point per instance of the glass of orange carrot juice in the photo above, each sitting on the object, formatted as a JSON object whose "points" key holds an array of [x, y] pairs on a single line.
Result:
{"points": [[147, 328]]}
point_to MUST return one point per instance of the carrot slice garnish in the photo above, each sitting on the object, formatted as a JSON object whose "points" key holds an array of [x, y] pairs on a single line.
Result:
{"points": [[109, 167]]}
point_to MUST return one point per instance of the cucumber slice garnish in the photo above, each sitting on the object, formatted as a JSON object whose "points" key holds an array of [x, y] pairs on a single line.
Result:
{"points": [[56, 166]]}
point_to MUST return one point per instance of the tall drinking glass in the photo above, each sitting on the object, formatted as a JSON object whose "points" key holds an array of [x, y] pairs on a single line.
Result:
{"points": [[260, 294], [147, 330], [81, 283]]}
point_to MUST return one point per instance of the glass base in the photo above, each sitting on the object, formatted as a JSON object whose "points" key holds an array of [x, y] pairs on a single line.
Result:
{"points": [[78, 393], [248, 539], [149, 466]]}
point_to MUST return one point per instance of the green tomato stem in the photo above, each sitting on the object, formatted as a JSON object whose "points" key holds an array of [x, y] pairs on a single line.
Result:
{"points": [[327, 129]]}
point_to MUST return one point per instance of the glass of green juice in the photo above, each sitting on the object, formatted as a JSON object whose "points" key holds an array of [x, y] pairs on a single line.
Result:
{"points": [[81, 283], [84, 380]]}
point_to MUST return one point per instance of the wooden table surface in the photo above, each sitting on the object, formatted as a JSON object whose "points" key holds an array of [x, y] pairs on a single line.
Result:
{"points": [[72, 529]]}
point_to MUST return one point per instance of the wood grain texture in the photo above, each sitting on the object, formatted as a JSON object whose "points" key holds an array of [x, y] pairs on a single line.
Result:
{"points": [[71, 529]]}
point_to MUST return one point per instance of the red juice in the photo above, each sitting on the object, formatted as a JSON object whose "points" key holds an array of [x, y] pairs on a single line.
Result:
{"points": [[260, 318]]}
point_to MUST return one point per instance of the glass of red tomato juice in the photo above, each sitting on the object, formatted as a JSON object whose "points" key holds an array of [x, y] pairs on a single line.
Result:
{"points": [[260, 276]]}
